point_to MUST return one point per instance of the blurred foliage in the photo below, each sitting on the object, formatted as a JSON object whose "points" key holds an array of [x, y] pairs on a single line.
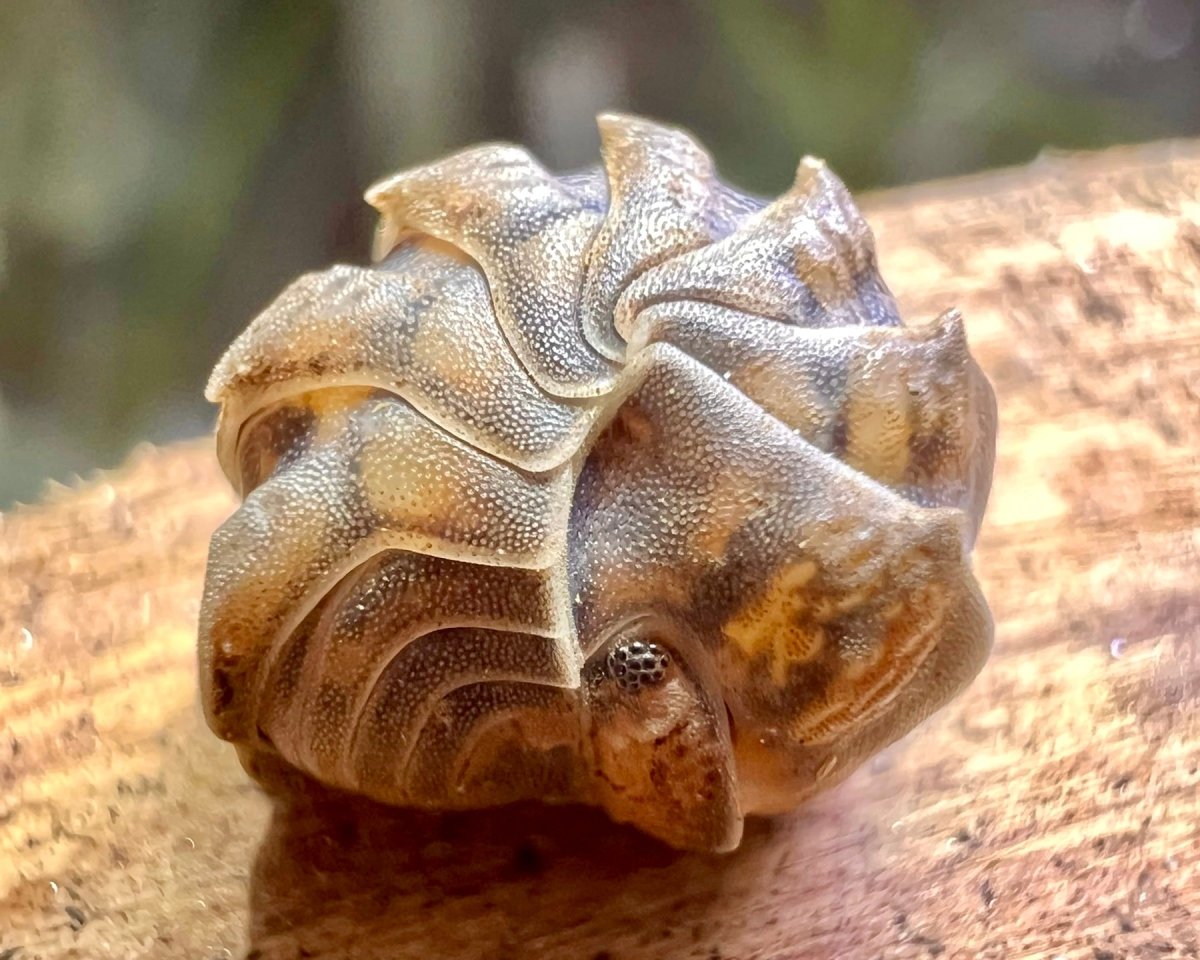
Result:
{"points": [[166, 168]]}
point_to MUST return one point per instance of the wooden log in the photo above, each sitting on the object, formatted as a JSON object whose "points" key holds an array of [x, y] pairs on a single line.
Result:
{"points": [[1052, 811]]}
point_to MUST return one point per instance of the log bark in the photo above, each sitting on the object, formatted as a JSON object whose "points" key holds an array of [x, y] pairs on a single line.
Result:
{"points": [[1052, 811]]}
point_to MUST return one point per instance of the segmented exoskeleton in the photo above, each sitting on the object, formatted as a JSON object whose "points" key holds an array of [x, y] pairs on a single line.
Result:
{"points": [[618, 487]]}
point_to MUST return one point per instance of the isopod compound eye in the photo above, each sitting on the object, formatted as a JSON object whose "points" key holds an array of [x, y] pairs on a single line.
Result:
{"points": [[635, 665], [564, 425]]}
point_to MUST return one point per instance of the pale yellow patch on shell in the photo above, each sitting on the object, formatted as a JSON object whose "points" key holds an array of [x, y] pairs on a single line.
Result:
{"points": [[857, 696], [331, 410], [878, 420], [775, 621]]}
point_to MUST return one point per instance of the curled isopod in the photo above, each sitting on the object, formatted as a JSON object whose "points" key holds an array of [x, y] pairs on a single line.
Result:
{"points": [[619, 487]]}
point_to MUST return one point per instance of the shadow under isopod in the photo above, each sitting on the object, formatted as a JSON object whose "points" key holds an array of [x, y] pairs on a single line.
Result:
{"points": [[340, 876]]}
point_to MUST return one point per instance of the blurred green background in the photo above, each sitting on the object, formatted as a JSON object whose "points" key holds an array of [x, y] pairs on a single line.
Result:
{"points": [[166, 167]]}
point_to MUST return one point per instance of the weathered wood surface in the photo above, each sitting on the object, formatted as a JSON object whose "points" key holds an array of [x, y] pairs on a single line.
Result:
{"points": [[1052, 811]]}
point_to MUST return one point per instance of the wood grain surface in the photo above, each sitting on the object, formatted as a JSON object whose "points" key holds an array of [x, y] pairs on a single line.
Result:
{"points": [[1052, 811]]}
